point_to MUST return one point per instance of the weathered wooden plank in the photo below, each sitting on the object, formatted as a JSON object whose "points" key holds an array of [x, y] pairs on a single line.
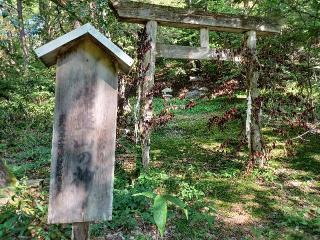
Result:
{"points": [[204, 37], [196, 53], [84, 133], [137, 12]]}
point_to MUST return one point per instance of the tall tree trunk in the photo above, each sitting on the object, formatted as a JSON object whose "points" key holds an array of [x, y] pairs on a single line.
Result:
{"points": [[254, 104], [22, 34]]}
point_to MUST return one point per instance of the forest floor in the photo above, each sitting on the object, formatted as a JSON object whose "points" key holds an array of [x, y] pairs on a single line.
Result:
{"points": [[279, 202], [202, 166]]}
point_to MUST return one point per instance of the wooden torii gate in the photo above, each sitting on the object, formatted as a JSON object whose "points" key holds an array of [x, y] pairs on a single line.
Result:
{"points": [[153, 15]]}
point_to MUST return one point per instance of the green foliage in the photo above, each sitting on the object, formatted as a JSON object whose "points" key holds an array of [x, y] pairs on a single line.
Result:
{"points": [[24, 216], [189, 192], [160, 213], [176, 201], [159, 208]]}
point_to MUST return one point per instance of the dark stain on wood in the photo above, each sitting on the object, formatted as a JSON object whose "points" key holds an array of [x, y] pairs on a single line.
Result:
{"points": [[60, 155], [83, 175], [81, 143]]}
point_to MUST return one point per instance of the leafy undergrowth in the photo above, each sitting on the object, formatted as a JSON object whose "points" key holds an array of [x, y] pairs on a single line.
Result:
{"points": [[202, 166]]}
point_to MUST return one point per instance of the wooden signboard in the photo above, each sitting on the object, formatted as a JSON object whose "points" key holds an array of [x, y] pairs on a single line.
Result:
{"points": [[84, 130]]}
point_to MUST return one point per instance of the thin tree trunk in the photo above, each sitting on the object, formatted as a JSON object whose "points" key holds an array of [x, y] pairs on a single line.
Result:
{"points": [[60, 20], [44, 8], [22, 34], [254, 104], [4, 175], [123, 104], [10, 45], [93, 9], [310, 87]]}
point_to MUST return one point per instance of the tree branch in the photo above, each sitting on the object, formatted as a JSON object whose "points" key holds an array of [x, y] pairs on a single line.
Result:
{"points": [[64, 5], [297, 10]]}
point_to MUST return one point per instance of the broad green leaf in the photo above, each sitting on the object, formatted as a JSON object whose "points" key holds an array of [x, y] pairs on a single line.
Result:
{"points": [[146, 194], [178, 203], [160, 213]]}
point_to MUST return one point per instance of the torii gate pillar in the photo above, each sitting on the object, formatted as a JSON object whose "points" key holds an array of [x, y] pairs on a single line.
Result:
{"points": [[253, 120], [146, 112]]}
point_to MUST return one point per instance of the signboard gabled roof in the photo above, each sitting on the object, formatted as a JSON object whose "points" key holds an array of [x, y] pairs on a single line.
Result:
{"points": [[48, 53]]}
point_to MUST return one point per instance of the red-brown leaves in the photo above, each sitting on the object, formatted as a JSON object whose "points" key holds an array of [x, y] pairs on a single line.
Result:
{"points": [[229, 115], [190, 104], [228, 88]]}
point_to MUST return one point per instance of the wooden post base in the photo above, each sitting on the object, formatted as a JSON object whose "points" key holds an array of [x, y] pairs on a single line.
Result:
{"points": [[80, 231]]}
